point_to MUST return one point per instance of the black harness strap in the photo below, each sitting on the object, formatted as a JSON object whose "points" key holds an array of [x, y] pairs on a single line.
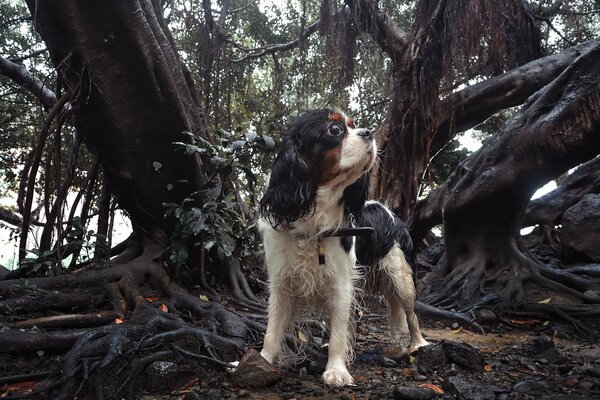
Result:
{"points": [[342, 232]]}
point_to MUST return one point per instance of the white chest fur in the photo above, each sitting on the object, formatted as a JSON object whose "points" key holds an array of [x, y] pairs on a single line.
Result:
{"points": [[294, 269]]}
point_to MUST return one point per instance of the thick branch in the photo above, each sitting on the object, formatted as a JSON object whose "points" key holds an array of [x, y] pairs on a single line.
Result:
{"points": [[476, 103], [379, 25], [20, 75], [548, 209]]}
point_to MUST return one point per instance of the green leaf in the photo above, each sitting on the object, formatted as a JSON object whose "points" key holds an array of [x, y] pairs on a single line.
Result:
{"points": [[156, 165], [269, 142]]}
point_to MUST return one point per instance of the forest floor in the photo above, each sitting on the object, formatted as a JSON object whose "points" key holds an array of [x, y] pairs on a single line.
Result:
{"points": [[527, 359], [532, 359]]}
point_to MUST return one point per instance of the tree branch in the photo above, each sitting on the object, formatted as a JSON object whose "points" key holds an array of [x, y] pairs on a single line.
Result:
{"points": [[379, 25], [20, 75], [28, 56], [476, 103], [274, 48]]}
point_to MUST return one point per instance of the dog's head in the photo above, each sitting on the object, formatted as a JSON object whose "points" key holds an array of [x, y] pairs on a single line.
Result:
{"points": [[320, 149]]}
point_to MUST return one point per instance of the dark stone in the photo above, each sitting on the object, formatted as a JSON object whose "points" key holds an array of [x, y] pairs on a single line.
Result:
{"points": [[553, 356], [530, 386], [430, 358], [565, 368], [255, 371], [451, 371], [213, 394], [412, 393], [538, 345], [387, 362], [466, 390], [580, 233], [595, 372], [191, 396], [464, 355]]}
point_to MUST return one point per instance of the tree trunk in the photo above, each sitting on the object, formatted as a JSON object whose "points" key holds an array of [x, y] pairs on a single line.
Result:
{"points": [[132, 98], [483, 201]]}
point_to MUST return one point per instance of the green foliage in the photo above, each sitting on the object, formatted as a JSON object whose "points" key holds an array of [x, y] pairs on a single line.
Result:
{"points": [[211, 217], [446, 161]]}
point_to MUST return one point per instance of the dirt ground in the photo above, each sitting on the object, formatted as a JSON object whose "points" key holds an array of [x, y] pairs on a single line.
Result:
{"points": [[530, 360], [525, 359]]}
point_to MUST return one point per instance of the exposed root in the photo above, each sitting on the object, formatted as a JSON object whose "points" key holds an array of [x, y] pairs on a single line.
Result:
{"points": [[144, 332], [499, 283], [240, 289], [439, 313]]}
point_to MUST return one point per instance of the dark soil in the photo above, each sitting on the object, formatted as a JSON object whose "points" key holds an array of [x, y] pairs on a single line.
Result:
{"points": [[525, 359], [532, 360]]}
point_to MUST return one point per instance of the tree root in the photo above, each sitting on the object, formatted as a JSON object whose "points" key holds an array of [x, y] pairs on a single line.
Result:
{"points": [[139, 327], [499, 283]]}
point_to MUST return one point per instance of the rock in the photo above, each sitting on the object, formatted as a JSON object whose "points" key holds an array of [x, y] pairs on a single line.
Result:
{"points": [[580, 233], [412, 393], [420, 378], [594, 372], [464, 355], [552, 356], [485, 316], [387, 362], [191, 396], [538, 345], [430, 358], [255, 371], [565, 368], [213, 394], [530, 386], [163, 368], [243, 393], [451, 371], [466, 390]]}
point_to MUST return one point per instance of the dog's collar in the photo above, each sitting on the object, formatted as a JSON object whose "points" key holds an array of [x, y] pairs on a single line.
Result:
{"points": [[343, 232]]}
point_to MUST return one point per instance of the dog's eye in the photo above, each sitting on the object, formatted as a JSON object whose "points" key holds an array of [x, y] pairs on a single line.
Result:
{"points": [[334, 130]]}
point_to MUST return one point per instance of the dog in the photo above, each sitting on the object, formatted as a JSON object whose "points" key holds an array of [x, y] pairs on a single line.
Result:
{"points": [[318, 184]]}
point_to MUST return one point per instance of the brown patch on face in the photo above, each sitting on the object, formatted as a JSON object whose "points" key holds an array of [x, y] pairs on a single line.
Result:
{"points": [[336, 117], [350, 122], [330, 166]]}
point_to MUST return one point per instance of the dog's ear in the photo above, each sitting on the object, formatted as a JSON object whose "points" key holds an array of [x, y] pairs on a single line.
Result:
{"points": [[355, 195], [292, 188]]}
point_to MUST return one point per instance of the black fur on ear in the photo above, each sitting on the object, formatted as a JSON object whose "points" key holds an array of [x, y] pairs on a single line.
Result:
{"points": [[355, 195], [292, 188]]}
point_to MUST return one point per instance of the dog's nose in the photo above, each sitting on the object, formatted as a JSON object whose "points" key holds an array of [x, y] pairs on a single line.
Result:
{"points": [[365, 133]]}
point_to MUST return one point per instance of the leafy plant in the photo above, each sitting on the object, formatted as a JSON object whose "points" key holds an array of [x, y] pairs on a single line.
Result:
{"points": [[211, 217]]}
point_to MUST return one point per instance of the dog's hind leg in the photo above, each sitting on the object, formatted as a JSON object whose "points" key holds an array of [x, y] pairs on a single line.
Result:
{"points": [[281, 310], [400, 293]]}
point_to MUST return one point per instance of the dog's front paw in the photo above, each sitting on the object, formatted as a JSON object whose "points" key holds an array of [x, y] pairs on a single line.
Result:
{"points": [[337, 376]]}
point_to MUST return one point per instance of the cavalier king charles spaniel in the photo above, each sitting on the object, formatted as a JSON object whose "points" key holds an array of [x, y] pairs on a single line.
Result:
{"points": [[319, 185]]}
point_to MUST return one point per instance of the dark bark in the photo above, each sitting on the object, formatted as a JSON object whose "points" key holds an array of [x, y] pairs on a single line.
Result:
{"points": [[548, 209], [422, 118], [133, 98], [19, 74], [484, 199]]}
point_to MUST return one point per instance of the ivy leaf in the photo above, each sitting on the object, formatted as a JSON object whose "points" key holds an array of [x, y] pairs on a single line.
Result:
{"points": [[237, 145], [269, 142], [156, 165], [251, 136]]}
